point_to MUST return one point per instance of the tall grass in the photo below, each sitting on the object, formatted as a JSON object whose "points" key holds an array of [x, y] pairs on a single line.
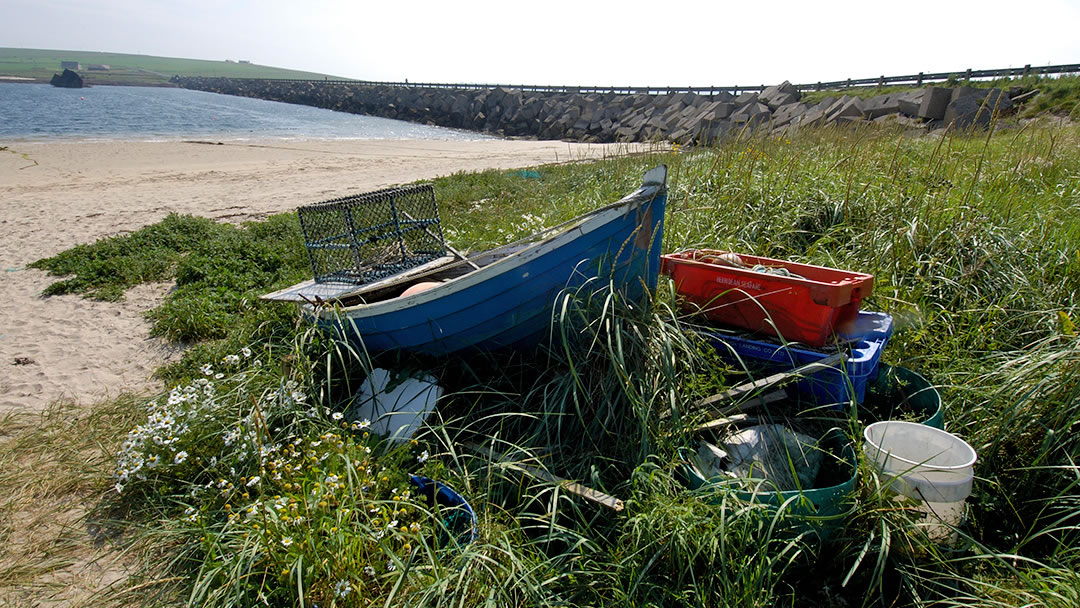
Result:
{"points": [[973, 241]]}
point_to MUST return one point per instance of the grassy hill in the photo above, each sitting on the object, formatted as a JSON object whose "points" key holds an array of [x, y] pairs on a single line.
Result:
{"points": [[144, 70]]}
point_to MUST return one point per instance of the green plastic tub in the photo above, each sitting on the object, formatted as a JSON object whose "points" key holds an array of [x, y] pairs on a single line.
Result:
{"points": [[901, 394], [823, 507]]}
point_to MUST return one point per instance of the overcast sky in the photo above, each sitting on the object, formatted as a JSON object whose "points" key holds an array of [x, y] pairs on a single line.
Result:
{"points": [[663, 43]]}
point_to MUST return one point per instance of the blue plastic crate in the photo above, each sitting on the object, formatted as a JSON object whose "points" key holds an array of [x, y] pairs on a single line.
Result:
{"points": [[829, 386]]}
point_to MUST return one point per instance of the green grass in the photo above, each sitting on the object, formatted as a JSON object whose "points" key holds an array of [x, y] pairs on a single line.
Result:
{"points": [[1059, 96], [974, 241], [146, 70]]}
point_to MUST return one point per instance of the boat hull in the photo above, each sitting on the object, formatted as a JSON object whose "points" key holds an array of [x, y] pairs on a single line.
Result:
{"points": [[509, 304]]}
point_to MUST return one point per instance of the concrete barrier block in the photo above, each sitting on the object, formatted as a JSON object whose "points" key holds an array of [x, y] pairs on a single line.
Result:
{"points": [[751, 115], [976, 108], [851, 107], [626, 134], [881, 105], [998, 100], [697, 100], [716, 110], [934, 102], [782, 100], [908, 103], [788, 112], [746, 98], [812, 117], [690, 112], [959, 92], [716, 131], [669, 122], [826, 103], [779, 95]]}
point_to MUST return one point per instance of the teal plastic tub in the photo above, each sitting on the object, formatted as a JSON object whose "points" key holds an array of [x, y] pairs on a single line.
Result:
{"points": [[901, 394], [822, 508]]}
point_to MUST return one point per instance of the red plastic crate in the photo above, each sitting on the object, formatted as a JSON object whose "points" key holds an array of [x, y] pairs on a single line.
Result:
{"points": [[808, 308]]}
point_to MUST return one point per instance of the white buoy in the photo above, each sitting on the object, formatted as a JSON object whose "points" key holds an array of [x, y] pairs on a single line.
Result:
{"points": [[396, 413]]}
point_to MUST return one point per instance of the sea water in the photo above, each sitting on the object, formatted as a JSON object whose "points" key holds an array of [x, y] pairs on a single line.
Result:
{"points": [[45, 112]]}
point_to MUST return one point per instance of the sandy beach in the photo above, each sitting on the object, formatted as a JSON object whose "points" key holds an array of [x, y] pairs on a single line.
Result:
{"points": [[57, 195]]}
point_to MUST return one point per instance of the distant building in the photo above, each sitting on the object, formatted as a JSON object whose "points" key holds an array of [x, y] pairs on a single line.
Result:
{"points": [[99, 67], [245, 61], [229, 61], [70, 65]]}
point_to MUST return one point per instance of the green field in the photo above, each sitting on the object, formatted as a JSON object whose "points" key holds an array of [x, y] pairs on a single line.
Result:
{"points": [[143, 70]]}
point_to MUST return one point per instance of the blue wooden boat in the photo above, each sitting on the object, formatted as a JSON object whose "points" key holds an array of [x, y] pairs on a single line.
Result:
{"points": [[504, 297]]}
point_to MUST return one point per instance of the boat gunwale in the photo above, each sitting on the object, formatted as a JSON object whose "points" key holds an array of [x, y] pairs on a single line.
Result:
{"points": [[540, 244]]}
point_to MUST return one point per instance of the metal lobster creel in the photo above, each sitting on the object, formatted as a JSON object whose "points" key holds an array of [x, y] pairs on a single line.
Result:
{"points": [[366, 237]]}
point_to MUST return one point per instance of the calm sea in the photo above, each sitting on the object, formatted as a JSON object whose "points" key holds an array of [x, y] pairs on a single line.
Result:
{"points": [[45, 112]]}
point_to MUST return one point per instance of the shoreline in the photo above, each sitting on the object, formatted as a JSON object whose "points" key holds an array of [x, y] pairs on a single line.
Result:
{"points": [[208, 139], [60, 194]]}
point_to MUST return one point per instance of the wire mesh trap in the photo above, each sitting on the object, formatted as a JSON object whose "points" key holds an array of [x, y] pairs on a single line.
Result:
{"points": [[366, 237]]}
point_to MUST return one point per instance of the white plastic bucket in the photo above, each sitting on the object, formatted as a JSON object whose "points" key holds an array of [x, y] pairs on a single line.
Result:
{"points": [[924, 463]]}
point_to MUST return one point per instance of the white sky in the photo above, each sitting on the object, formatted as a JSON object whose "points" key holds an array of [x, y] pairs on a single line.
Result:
{"points": [[662, 43]]}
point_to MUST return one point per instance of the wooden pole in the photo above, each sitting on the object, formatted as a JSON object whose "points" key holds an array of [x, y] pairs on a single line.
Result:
{"points": [[594, 496]]}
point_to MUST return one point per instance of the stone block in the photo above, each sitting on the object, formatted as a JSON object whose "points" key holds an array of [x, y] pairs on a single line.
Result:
{"points": [[998, 100], [716, 131], [851, 107], [673, 110], [788, 112], [813, 116], [746, 98], [825, 103], [782, 100], [881, 105], [779, 95], [696, 100], [959, 92], [751, 114], [716, 110], [691, 111], [909, 102], [642, 100], [934, 102], [976, 109], [668, 122], [626, 134], [964, 112]]}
